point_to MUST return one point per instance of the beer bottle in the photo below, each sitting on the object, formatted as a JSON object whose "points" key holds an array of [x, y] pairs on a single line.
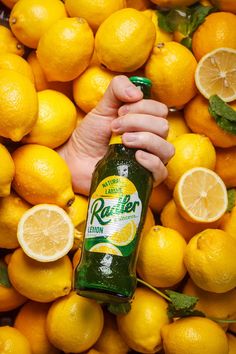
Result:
{"points": [[118, 203]]}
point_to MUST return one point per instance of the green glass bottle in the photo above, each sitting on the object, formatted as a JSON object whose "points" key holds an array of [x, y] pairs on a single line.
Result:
{"points": [[118, 203]]}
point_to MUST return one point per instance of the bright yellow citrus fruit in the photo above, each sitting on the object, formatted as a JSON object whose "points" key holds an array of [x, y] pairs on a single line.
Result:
{"points": [[55, 122], [31, 322], [173, 3], [89, 87], [12, 208], [160, 259], [30, 19], [45, 232], [124, 40], [219, 306], [18, 111], [149, 221], [225, 5], [9, 43], [218, 30], [6, 173], [225, 163], [191, 150], [84, 323], [170, 217], [141, 326], [177, 125], [110, 340], [125, 235], [13, 342], [194, 335], [229, 224], [210, 260], [78, 210], [232, 343], [140, 5], [105, 247], [200, 121], [161, 35], [42, 176], [216, 74], [11, 61], [42, 282], [201, 195], [94, 11], [63, 57], [160, 196], [171, 69]]}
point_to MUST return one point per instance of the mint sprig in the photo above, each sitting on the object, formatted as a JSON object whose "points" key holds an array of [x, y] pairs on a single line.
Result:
{"points": [[4, 279], [224, 115], [231, 193], [182, 305]]}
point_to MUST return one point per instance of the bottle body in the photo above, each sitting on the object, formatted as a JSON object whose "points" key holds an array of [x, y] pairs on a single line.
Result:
{"points": [[118, 203]]}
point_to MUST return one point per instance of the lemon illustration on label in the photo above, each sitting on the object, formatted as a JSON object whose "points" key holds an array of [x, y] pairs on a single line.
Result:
{"points": [[106, 248], [125, 235]]}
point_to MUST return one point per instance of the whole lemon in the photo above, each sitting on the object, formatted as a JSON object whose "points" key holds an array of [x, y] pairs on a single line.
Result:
{"points": [[42, 176], [18, 105], [161, 257], [200, 121], [225, 163], [210, 260], [84, 322], [161, 35], [31, 322], [139, 4], [7, 172], [78, 210], [89, 87], [229, 223], [65, 49], [94, 11], [194, 335], [160, 196], [30, 19], [110, 340], [43, 282], [171, 68], [225, 5], [173, 3], [13, 342], [177, 125], [191, 150], [56, 120], [9, 43], [11, 61], [141, 326], [124, 40], [12, 208], [232, 343]]}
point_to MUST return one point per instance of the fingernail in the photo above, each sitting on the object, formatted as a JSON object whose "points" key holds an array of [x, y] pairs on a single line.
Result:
{"points": [[115, 124], [129, 138], [131, 91], [123, 110]]}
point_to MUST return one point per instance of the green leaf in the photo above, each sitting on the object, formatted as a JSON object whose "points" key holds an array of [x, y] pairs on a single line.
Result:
{"points": [[224, 115], [119, 309], [231, 199], [4, 280], [182, 305], [198, 16], [187, 42]]}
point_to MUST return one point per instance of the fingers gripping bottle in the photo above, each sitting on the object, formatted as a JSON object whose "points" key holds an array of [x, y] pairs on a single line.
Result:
{"points": [[118, 203]]}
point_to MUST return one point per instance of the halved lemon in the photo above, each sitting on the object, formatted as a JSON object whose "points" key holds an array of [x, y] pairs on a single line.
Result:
{"points": [[201, 195], [105, 247], [216, 74], [45, 232], [124, 236]]}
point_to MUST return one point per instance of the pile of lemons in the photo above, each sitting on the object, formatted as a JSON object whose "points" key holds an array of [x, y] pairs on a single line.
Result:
{"points": [[57, 58]]}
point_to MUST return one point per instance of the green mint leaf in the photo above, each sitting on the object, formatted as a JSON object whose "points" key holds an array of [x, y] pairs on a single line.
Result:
{"points": [[224, 115], [222, 109], [231, 199], [187, 42], [119, 309], [182, 305], [172, 312], [4, 280], [163, 21], [198, 15]]}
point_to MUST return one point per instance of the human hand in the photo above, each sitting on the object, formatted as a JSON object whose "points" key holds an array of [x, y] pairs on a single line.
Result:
{"points": [[122, 111]]}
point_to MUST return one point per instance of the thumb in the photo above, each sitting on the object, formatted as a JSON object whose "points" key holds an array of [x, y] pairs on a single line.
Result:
{"points": [[120, 90]]}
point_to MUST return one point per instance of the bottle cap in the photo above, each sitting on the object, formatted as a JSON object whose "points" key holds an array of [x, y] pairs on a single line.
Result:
{"points": [[141, 80]]}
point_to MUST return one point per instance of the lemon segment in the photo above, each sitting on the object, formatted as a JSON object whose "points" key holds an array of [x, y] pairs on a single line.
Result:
{"points": [[104, 247], [201, 195], [45, 233], [216, 74], [124, 236]]}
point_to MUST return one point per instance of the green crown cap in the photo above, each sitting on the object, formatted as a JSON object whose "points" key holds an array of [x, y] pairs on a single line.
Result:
{"points": [[140, 80]]}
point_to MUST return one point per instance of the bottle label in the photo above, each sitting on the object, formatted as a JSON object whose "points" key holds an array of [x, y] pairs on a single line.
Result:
{"points": [[113, 217]]}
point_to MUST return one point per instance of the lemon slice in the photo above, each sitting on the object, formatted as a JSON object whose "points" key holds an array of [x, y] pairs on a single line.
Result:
{"points": [[216, 74], [45, 232], [105, 247], [124, 236], [201, 195]]}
